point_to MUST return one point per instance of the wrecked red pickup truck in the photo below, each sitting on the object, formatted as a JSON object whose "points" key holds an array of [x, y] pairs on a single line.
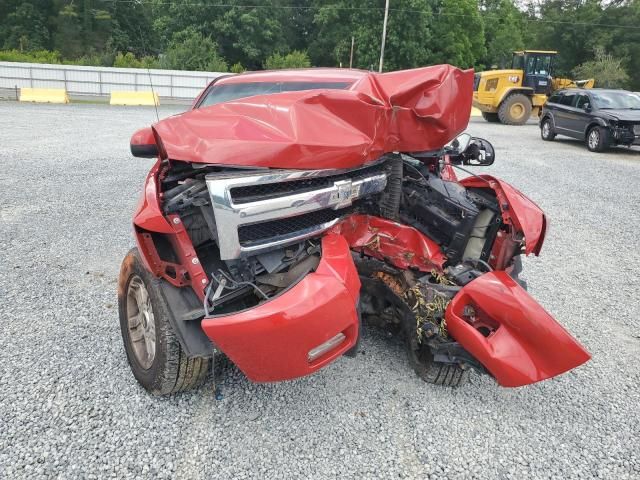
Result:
{"points": [[287, 208]]}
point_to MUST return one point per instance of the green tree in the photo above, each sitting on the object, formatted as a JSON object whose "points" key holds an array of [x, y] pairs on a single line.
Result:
{"points": [[576, 28], [34, 56], [624, 41], [458, 36], [190, 50], [296, 22], [249, 34], [568, 26], [178, 15], [68, 32], [245, 34], [504, 27], [129, 60], [409, 34], [420, 32], [132, 28], [605, 68], [237, 68], [24, 29], [295, 59]]}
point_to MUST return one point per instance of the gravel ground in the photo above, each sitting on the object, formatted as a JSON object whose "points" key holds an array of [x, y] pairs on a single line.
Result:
{"points": [[70, 407]]}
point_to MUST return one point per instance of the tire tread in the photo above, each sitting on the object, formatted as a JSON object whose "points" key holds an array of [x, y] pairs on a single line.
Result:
{"points": [[175, 372], [604, 139], [503, 110]]}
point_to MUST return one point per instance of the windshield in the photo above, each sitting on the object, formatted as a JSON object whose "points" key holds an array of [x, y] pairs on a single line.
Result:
{"points": [[234, 91], [616, 100], [517, 62]]}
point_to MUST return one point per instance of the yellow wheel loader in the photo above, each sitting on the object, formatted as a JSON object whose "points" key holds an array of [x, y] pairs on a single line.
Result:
{"points": [[511, 96]]}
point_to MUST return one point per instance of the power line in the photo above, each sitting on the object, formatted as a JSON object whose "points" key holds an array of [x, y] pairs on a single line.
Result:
{"points": [[399, 10]]}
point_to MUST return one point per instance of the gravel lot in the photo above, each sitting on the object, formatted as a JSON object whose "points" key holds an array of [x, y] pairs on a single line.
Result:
{"points": [[70, 407]]}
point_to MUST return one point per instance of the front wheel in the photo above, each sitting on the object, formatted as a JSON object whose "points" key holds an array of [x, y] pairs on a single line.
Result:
{"points": [[157, 360], [597, 139], [515, 109], [546, 130]]}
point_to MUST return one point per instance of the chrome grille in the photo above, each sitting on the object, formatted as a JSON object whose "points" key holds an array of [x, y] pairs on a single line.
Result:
{"points": [[261, 210], [284, 227], [251, 193]]}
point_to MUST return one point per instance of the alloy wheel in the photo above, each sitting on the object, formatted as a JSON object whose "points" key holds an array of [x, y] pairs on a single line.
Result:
{"points": [[141, 322], [594, 139]]}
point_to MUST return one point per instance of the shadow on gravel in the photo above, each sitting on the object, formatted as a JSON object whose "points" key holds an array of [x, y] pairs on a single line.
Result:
{"points": [[381, 357]]}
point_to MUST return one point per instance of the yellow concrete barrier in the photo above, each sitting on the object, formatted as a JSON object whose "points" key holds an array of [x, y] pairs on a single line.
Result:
{"points": [[44, 95], [134, 98], [475, 112]]}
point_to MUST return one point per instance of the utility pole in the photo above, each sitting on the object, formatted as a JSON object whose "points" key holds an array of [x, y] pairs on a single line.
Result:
{"points": [[384, 33], [353, 41]]}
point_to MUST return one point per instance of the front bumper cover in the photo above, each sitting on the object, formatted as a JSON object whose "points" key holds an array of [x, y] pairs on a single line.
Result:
{"points": [[527, 345], [271, 342]]}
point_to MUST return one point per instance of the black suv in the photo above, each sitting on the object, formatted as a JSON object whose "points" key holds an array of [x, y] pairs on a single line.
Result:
{"points": [[602, 118]]}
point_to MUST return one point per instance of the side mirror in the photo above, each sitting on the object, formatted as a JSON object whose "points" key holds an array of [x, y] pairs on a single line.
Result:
{"points": [[460, 143], [587, 108], [479, 152], [143, 144]]}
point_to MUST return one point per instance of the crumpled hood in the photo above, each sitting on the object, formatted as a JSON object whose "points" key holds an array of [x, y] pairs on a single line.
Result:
{"points": [[622, 115], [409, 110]]}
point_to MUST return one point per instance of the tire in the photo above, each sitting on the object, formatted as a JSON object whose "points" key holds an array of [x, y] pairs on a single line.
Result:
{"points": [[443, 374], [597, 139], [490, 117], [515, 109], [154, 353], [546, 130]]}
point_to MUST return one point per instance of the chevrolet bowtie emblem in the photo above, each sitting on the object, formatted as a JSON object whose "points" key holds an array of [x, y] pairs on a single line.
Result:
{"points": [[344, 196]]}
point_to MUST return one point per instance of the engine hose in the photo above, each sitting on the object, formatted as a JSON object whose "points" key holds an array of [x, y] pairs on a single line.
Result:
{"points": [[390, 203]]}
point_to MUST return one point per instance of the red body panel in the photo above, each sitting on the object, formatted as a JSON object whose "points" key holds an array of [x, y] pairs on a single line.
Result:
{"points": [[527, 345], [148, 215], [401, 245], [149, 218], [411, 110], [271, 341], [517, 210]]}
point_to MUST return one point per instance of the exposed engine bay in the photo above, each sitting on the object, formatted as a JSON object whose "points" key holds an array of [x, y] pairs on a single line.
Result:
{"points": [[250, 262], [463, 222]]}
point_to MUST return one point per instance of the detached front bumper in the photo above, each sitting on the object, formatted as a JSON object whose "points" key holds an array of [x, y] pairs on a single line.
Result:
{"points": [[276, 340], [526, 345]]}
